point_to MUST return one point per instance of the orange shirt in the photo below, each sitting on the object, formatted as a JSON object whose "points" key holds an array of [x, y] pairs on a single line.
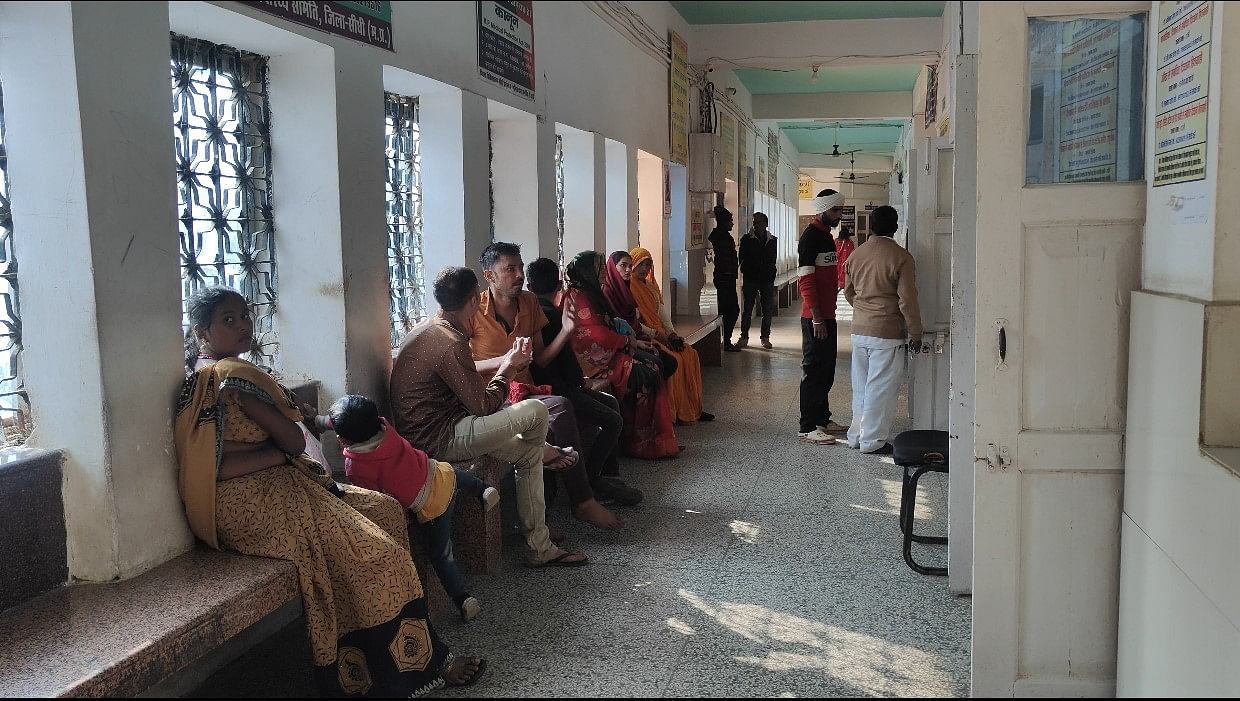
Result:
{"points": [[492, 339]]}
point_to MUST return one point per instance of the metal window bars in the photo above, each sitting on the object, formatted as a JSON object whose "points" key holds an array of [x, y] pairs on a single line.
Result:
{"points": [[222, 135], [15, 420], [406, 268]]}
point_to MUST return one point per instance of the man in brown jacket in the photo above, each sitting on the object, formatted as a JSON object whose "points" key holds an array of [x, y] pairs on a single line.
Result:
{"points": [[881, 285]]}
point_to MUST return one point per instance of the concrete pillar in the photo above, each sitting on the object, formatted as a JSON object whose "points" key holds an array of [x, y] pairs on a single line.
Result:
{"points": [[516, 171], [456, 212], [600, 187], [100, 286], [621, 195]]}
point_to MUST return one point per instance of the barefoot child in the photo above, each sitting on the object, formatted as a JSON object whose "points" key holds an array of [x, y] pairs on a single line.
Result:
{"points": [[377, 457]]}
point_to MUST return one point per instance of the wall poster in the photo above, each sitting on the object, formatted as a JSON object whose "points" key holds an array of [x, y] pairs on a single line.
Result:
{"points": [[727, 134], [772, 162], [506, 44], [678, 99], [1182, 99]]}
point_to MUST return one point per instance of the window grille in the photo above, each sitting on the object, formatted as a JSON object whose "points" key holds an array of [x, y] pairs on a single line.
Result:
{"points": [[491, 176], [14, 402], [406, 269], [559, 198], [222, 128]]}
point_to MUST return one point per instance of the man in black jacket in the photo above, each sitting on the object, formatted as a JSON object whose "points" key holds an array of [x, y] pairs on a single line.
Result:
{"points": [[758, 255], [725, 273]]}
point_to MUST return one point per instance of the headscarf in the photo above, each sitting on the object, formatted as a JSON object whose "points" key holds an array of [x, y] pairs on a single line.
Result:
{"points": [[616, 289], [640, 254], [646, 292], [825, 202], [585, 272]]}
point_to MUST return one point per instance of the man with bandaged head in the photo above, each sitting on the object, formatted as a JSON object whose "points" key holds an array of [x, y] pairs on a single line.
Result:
{"points": [[818, 282]]}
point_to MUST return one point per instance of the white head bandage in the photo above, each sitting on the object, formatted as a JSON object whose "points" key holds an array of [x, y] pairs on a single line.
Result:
{"points": [[822, 204]]}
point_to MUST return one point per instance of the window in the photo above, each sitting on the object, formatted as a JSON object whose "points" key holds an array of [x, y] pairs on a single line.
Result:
{"points": [[491, 176], [1087, 84], [559, 198], [14, 403], [222, 128], [406, 271]]}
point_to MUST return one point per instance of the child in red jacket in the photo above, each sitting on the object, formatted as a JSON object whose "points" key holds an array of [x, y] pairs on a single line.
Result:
{"points": [[377, 457]]}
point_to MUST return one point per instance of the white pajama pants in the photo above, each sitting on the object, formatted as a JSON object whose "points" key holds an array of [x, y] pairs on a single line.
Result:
{"points": [[877, 373]]}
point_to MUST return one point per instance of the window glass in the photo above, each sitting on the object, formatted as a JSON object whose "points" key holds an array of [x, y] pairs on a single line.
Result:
{"points": [[1086, 100]]}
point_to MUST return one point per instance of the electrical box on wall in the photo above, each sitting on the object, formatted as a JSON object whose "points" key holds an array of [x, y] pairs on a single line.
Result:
{"points": [[706, 163]]}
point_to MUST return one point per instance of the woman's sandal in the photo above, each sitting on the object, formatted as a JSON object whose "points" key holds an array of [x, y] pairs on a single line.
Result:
{"points": [[566, 460], [478, 674]]}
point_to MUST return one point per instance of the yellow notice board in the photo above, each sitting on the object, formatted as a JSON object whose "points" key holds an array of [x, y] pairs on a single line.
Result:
{"points": [[727, 134], [678, 100], [805, 186], [1182, 97]]}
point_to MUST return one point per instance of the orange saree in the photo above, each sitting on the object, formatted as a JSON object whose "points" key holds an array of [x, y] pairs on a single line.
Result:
{"points": [[684, 389]]}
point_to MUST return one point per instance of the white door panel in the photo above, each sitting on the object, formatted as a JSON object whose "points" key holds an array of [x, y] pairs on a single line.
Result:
{"points": [[1056, 265]]}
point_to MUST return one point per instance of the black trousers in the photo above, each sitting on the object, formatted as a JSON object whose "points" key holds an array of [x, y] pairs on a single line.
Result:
{"points": [[752, 293], [729, 307], [818, 368], [599, 423]]}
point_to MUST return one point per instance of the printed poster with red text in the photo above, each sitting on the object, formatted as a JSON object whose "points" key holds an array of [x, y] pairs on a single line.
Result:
{"points": [[506, 45]]}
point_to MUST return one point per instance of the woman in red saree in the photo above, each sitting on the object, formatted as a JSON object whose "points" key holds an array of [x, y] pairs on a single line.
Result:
{"points": [[633, 373]]}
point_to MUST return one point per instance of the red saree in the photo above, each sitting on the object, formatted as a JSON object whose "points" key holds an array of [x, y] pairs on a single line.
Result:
{"points": [[635, 378]]}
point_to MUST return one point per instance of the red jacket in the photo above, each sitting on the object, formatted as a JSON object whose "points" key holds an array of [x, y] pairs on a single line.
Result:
{"points": [[816, 267], [843, 248], [394, 468]]}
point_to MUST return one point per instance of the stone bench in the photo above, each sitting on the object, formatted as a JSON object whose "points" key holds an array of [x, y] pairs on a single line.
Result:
{"points": [[704, 334], [160, 633]]}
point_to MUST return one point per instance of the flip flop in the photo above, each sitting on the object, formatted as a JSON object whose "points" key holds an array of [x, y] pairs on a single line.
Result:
{"points": [[561, 561], [479, 674], [565, 453]]}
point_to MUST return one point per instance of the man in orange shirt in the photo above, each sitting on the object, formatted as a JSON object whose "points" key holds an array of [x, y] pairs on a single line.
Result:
{"points": [[507, 312]]}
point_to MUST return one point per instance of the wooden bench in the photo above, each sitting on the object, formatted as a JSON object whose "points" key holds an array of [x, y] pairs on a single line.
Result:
{"points": [[786, 289], [160, 633], [704, 334]]}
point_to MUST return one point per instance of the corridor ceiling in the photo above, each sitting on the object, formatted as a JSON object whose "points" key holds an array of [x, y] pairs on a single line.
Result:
{"points": [[762, 12], [870, 137], [872, 78]]}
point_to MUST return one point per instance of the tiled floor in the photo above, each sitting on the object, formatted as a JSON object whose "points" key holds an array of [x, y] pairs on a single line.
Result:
{"points": [[758, 566]]}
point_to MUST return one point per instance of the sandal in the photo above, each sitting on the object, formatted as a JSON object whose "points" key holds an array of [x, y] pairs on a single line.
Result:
{"points": [[566, 460], [478, 674], [562, 560]]}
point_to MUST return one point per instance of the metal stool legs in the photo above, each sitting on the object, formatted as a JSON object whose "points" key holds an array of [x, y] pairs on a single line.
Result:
{"points": [[908, 503]]}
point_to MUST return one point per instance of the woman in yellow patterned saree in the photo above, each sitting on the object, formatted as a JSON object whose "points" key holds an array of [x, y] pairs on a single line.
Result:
{"points": [[248, 486], [684, 388]]}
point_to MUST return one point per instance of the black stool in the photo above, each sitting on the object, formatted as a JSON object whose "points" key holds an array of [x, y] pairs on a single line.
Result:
{"points": [[918, 452]]}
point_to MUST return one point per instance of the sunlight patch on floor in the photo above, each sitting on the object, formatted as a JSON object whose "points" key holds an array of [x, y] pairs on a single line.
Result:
{"points": [[745, 531], [796, 644]]}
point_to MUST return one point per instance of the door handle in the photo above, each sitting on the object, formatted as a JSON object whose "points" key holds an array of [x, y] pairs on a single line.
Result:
{"points": [[1001, 327]]}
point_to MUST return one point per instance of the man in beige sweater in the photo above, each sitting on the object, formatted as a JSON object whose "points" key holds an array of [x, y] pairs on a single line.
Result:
{"points": [[881, 285]]}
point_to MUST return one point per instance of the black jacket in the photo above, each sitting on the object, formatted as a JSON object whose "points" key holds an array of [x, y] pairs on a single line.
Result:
{"points": [[725, 254], [564, 373], [758, 259]]}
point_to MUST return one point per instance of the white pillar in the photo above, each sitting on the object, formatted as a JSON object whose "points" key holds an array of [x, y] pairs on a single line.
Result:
{"points": [[100, 289], [456, 216]]}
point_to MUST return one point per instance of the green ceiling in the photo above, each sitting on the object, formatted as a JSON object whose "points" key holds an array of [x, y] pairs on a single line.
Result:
{"points": [[872, 78], [759, 12], [872, 137]]}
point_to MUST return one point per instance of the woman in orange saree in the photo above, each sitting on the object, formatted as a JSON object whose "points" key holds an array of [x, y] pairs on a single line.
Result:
{"points": [[684, 388]]}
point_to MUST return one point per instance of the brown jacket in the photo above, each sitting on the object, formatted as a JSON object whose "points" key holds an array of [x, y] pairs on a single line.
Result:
{"points": [[881, 285]]}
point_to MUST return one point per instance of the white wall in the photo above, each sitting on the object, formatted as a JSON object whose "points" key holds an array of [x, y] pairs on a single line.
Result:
{"points": [[1179, 618]]}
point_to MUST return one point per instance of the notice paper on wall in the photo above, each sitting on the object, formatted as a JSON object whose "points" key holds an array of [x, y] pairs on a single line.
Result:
{"points": [[1182, 99], [506, 45]]}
